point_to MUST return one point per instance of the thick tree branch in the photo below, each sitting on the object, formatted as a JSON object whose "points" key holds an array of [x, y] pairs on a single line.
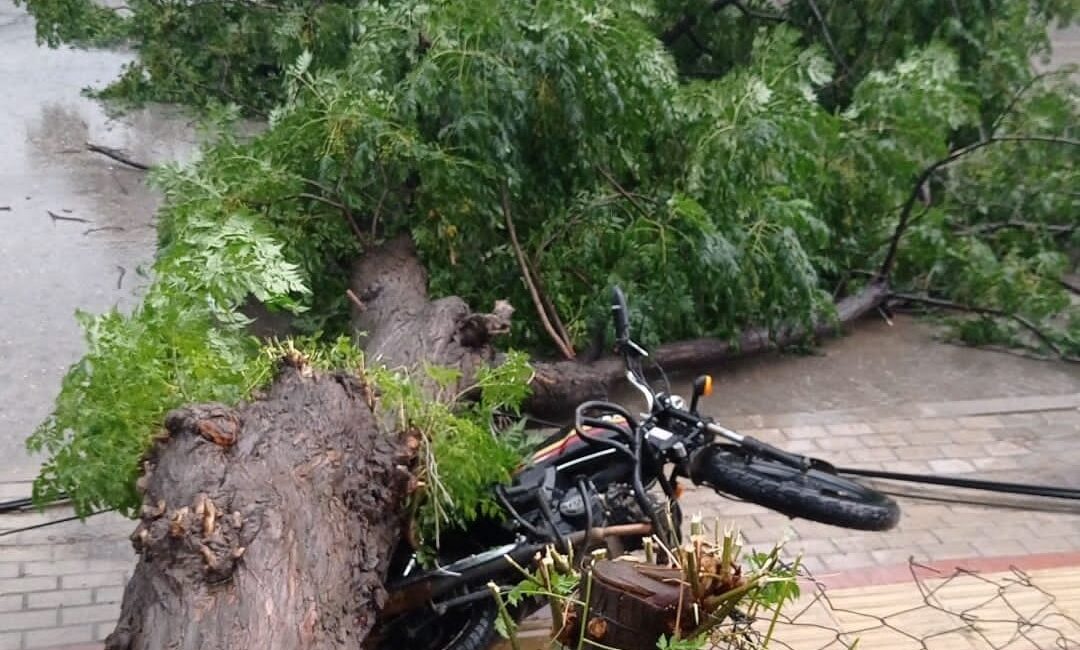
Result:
{"points": [[909, 204], [558, 387]]}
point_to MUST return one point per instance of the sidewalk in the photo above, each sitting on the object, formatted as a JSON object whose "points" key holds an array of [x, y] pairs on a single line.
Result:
{"points": [[1024, 440], [63, 584]]}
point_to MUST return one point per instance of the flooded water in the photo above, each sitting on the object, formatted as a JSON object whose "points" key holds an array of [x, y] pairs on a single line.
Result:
{"points": [[51, 267]]}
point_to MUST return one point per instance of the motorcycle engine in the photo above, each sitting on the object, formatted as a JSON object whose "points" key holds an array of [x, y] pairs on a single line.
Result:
{"points": [[572, 508]]}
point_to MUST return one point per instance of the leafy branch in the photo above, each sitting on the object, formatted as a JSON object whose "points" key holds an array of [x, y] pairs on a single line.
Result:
{"points": [[905, 212], [1037, 331]]}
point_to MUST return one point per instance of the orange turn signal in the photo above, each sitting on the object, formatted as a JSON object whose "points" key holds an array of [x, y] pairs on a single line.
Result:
{"points": [[708, 386], [678, 490]]}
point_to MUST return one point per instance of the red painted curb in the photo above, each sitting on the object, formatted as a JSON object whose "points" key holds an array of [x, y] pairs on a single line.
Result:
{"points": [[900, 573]]}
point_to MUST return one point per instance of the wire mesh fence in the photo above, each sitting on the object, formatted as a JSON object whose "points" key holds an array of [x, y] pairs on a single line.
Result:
{"points": [[961, 609], [933, 610]]}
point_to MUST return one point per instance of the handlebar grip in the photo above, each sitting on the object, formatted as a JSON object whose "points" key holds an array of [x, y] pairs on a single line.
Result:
{"points": [[620, 314]]}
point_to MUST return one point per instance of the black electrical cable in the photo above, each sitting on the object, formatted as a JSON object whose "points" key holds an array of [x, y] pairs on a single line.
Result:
{"points": [[52, 523], [970, 484], [26, 503], [1058, 508]]}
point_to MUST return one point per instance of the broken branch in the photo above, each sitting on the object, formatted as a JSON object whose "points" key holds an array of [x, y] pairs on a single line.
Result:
{"points": [[59, 217], [564, 346], [116, 155], [913, 196], [988, 311]]}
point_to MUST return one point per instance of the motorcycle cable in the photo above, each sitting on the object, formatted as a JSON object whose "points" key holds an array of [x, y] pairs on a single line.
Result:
{"points": [[587, 503], [504, 501]]}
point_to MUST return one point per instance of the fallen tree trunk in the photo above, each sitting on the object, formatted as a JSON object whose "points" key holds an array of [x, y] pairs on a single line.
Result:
{"points": [[559, 386], [266, 526], [271, 525]]}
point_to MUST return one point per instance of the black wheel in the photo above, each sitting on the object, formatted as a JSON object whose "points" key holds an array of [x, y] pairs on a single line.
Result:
{"points": [[816, 495], [469, 627]]}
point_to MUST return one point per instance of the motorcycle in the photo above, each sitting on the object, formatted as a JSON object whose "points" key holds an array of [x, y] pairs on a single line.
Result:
{"points": [[592, 485]]}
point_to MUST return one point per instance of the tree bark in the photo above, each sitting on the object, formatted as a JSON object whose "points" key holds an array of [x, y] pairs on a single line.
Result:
{"points": [[270, 525], [267, 525]]}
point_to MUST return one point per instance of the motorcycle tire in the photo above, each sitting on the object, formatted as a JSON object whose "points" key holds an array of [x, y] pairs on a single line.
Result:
{"points": [[813, 494], [470, 627]]}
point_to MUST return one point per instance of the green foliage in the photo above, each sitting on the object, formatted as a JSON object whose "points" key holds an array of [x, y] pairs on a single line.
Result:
{"points": [[735, 174], [674, 643], [784, 588], [115, 398], [461, 456]]}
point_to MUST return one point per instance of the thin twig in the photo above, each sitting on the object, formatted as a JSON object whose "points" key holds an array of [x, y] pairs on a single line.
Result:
{"points": [[355, 300], [549, 306], [116, 155], [909, 204], [629, 196], [120, 277], [101, 228], [564, 346], [378, 210], [1022, 90], [345, 211], [60, 217], [987, 311], [692, 36], [5, 208]]}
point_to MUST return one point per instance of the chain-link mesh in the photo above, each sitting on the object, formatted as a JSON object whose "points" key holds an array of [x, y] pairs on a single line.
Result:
{"points": [[962, 610]]}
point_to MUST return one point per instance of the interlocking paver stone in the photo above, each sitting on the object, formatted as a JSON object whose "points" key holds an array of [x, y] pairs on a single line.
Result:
{"points": [[66, 598], [59, 636]]}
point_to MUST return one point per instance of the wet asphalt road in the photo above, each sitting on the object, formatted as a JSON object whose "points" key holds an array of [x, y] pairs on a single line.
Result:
{"points": [[49, 268]]}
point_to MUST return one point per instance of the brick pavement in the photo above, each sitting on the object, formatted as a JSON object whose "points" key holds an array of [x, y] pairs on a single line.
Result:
{"points": [[1026, 440], [62, 584]]}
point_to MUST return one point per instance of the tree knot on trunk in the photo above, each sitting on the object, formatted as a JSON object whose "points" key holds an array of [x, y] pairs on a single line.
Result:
{"points": [[213, 422], [477, 330]]}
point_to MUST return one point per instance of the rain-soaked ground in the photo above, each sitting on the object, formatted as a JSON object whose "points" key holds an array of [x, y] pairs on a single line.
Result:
{"points": [[49, 267]]}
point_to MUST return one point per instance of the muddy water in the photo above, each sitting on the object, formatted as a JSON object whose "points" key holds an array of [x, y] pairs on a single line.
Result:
{"points": [[49, 268]]}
